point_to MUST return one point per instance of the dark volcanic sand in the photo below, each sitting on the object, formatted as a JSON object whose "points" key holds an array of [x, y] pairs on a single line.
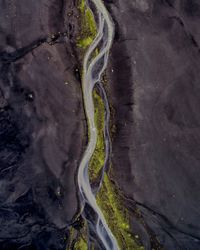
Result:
{"points": [[155, 91], [41, 124]]}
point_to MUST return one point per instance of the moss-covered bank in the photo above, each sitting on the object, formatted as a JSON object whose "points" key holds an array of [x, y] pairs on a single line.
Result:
{"points": [[116, 215], [87, 26], [98, 157], [107, 198]]}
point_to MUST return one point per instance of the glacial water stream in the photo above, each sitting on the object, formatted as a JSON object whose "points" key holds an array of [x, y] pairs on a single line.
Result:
{"points": [[93, 68]]}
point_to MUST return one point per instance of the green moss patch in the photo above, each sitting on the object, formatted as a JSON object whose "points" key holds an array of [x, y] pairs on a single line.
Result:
{"points": [[97, 160], [81, 244], [116, 215], [88, 26]]}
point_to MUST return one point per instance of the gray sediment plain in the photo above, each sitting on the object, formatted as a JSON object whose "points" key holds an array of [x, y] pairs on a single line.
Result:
{"points": [[42, 122], [154, 90]]}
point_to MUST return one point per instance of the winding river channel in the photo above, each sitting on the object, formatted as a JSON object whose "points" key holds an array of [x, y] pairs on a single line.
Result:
{"points": [[93, 68]]}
